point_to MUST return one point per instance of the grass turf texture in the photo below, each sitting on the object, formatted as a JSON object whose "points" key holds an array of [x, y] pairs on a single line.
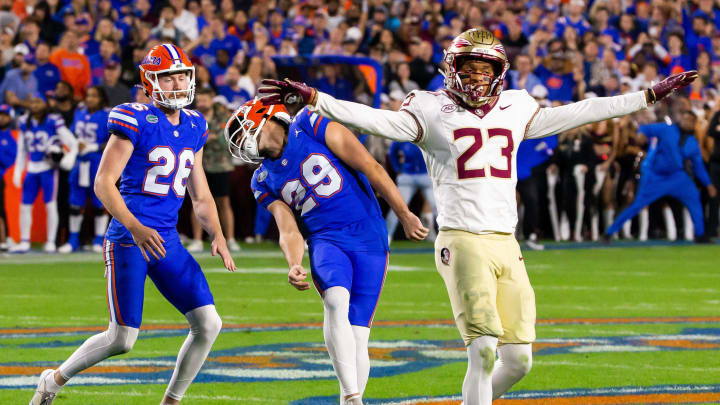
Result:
{"points": [[679, 281]]}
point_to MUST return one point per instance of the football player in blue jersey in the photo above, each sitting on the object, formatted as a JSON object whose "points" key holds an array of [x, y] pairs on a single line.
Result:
{"points": [[90, 127], [663, 172], [156, 151], [8, 150], [318, 172], [42, 138]]}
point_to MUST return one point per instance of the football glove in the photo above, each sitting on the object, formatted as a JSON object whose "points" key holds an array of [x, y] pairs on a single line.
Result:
{"points": [[670, 84], [287, 92]]}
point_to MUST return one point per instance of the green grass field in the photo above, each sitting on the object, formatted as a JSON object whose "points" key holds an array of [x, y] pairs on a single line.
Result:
{"points": [[615, 325]]}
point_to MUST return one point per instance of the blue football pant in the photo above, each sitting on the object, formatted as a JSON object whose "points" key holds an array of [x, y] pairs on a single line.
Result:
{"points": [[652, 187], [177, 276]]}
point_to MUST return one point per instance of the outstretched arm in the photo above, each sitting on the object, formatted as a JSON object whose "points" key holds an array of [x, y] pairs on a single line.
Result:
{"points": [[291, 243], [395, 125], [548, 121], [346, 146]]}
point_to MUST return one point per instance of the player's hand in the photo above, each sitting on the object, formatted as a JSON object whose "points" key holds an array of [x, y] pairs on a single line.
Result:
{"points": [[287, 92], [297, 276], [712, 191], [672, 83], [148, 240], [219, 245], [17, 179], [413, 227]]}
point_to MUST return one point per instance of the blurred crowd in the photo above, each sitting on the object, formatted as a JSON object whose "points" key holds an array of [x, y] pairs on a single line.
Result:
{"points": [[560, 51]]}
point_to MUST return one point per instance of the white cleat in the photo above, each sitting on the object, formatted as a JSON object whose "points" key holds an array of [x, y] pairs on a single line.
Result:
{"points": [[49, 247], [533, 244], [97, 248], [196, 246], [42, 396], [353, 401], [22, 247], [65, 249], [233, 245]]}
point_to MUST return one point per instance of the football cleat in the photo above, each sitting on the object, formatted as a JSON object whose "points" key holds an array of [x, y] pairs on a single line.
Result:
{"points": [[97, 248], [233, 246], [66, 248], [22, 247], [42, 395], [196, 246], [49, 247]]}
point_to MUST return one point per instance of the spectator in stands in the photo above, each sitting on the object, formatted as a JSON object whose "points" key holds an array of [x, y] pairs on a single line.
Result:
{"points": [[73, 65], [108, 51], [30, 33], [231, 90], [19, 83], [185, 20], [422, 69], [402, 81], [556, 73], [62, 102], [47, 74], [222, 40], [251, 77], [523, 77], [116, 91], [168, 27]]}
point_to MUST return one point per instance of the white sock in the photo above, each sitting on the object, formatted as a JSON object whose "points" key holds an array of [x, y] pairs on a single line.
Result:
{"points": [[101, 222], [75, 223], [688, 225], [670, 227], [477, 386], [339, 338], [50, 384], [205, 325], [115, 340], [25, 222], [627, 228], [609, 217], [644, 223], [362, 358], [52, 221], [514, 361]]}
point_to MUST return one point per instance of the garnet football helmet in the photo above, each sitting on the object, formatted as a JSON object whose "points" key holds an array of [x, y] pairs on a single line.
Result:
{"points": [[475, 44]]}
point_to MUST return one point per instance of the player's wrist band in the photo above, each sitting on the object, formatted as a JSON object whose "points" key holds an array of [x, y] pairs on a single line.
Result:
{"points": [[651, 95]]}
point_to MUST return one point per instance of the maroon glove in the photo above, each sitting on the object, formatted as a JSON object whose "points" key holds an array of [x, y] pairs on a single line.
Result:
{"points": [[672, 83], [287, 92]]}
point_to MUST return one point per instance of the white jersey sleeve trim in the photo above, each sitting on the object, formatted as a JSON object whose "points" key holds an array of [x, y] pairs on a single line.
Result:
{"points": [[395, 125], [549, 121]]}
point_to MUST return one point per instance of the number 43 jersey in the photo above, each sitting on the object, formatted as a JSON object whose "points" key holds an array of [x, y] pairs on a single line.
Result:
{"points": [[470, 157], [331, 200], [154, 180]]}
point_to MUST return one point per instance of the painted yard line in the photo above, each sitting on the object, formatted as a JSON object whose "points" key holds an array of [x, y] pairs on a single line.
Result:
{"points": [[43, 258], [593, 396], [284, 270], [59, 331], [77, 392]]}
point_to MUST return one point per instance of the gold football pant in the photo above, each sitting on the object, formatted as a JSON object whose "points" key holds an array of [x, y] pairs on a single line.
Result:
{"points": [[489, 289]]}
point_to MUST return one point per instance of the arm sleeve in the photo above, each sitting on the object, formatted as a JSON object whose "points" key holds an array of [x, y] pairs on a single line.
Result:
{"points": [[548, 121], [68, 139], [396, 125], [699, 165], [123, 120], [20, 157], [262, 193]]}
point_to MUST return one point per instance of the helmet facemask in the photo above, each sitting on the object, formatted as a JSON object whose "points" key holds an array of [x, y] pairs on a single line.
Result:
{"points": [[171, 98], [242, 135], [475, 93]]}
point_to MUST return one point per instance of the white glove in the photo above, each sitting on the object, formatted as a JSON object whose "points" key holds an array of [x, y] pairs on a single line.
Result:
{"points": [[17, 177], [67, 162]]}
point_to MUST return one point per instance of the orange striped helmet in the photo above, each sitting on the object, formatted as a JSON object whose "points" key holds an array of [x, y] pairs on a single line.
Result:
{"points": [[243, 128], [167, 59]]}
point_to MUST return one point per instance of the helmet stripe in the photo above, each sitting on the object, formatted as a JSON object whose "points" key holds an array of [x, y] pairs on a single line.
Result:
{"points": [[171, 50]]}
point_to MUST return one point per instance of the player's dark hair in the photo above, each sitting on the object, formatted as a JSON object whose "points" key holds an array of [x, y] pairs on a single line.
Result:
{"points": [[104, 100]]}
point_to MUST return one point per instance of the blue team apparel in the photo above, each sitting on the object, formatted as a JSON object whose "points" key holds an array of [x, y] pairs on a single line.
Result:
{"points": [[153, 188], [337, 210], [153, 182], [406, 157], [8, 151], [38, 136], [91, 129], [177, 276], [663, 174]]}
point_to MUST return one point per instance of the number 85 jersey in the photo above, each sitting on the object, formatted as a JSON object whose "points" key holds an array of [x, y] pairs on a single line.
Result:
{"points": [[332, 201], [154, 180], [470, 156]]}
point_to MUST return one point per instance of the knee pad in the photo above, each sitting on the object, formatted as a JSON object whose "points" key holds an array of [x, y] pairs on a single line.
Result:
{"points": [[517, 358], [336, 299], [204, 321], [121, 338]]}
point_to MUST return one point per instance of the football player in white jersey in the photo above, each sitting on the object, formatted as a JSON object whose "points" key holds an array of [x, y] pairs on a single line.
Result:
{"points": [[469, 134]]}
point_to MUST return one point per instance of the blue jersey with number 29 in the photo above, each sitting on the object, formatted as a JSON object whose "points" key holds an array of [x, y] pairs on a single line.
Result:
{"points": [[332, 200], [154, 180]]}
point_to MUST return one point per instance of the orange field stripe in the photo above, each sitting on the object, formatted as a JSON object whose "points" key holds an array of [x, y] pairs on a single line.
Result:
{"points": [[559, 321]]}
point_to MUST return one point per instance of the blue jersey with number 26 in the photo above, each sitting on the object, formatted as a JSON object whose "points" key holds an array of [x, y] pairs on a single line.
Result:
{"points": [[154, 180], [332, 200]]}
